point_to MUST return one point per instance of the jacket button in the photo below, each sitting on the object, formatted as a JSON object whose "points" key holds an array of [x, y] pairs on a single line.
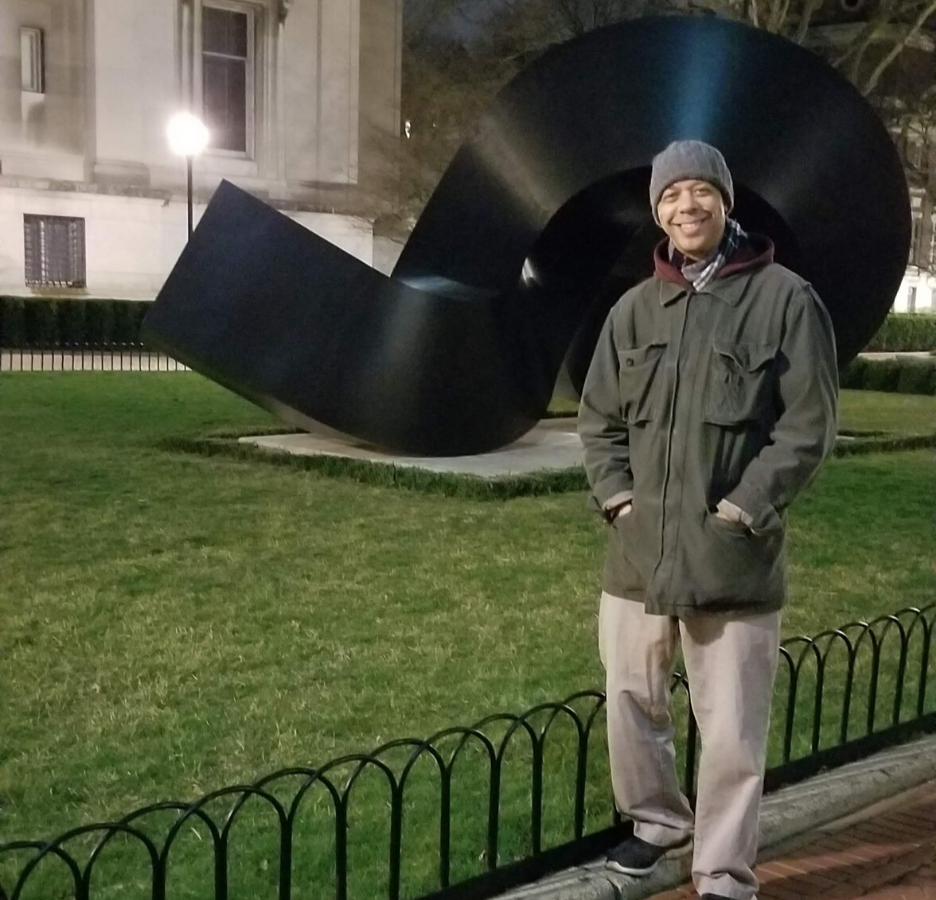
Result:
{"points": [[628, 362]]}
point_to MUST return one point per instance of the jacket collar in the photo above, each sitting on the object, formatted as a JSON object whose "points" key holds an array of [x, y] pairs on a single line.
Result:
{"points": [[730, 282]]}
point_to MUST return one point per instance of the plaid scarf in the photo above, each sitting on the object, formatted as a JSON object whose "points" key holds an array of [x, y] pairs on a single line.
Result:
{"points": [[702, 272]]}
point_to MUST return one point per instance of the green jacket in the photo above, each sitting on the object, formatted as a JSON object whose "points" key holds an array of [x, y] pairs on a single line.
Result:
{"points": [[692, 397]]}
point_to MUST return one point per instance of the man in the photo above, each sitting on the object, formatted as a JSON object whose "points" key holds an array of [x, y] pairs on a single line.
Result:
{"points": [[709, 404]]}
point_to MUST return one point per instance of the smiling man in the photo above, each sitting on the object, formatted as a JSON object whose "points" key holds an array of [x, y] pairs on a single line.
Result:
{"points": [[709, 404]]}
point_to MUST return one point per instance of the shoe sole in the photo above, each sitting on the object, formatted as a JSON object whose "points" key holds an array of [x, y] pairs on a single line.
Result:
{"points": [[669, 853]]}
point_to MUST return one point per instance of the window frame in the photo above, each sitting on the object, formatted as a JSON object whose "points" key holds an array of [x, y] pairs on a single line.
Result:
{"points": [[32, 60], [250, 66], [77, 266]]}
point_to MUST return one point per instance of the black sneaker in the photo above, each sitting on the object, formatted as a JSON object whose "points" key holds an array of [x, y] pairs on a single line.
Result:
{"points": [[638, 858]]}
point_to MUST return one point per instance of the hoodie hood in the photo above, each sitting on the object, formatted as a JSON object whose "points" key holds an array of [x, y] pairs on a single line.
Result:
{"points": [[757, 251]]}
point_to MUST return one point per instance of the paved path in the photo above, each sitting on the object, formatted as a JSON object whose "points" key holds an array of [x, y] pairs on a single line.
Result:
{"points": [[886, 852]]}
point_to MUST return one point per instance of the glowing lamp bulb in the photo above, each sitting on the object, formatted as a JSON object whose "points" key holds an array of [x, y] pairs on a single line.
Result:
{"points": [[187, 135]]}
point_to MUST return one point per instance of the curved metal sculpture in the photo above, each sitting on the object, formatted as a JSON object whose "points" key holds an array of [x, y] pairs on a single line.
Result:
{"points": [[539, 224]]}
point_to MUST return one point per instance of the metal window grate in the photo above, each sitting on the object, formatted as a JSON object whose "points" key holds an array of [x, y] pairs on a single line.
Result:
{"points": [[55, 251]]}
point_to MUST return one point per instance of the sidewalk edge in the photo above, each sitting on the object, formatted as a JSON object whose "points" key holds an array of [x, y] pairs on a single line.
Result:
{"points": [[785, 814]]}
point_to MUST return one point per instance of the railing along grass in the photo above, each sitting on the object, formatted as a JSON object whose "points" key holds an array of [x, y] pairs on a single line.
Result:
{"points": [[171, 623], [478, 806]]}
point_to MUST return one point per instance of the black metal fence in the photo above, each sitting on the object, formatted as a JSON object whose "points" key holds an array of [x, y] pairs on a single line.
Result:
{"points": [[840, 695], [88, 357]]}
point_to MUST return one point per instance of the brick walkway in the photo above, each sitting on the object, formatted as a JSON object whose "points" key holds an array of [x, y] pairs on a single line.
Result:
{"points": [[887, 852]]}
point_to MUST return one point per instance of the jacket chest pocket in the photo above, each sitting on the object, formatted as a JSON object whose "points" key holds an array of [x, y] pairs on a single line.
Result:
{"points": [[741, 384], [640, 391]]}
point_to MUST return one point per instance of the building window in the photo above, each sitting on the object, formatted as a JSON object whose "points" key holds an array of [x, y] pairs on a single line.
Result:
{"points": [[227, 77], [32, 60], [55, 251]]}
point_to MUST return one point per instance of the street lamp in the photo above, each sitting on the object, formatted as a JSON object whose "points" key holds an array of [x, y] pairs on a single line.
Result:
{"points": [[188, 137]]}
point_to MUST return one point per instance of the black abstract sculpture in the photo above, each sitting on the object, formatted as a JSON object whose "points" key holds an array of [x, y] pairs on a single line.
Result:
{"points": [[539, 224]]}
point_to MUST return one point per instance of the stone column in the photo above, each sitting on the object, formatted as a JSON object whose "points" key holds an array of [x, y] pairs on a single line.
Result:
{"points": [[131, 88]]}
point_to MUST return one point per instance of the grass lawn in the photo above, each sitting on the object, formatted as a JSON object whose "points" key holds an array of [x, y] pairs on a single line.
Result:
{"points": [[170, 624], [899, 414], [895, 413]]}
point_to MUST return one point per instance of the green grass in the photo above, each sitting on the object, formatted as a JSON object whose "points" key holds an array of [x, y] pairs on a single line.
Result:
{"points": [[172, 623], [858, 411], [900, 426], [898, 414]]}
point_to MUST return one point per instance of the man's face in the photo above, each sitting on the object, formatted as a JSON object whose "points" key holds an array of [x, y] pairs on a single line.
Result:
{"points": [[692, 214]]}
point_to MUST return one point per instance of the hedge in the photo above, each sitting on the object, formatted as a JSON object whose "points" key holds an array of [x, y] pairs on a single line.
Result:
{"points": [[52, 324], [449, 484], [905, 331], [901, 376]]}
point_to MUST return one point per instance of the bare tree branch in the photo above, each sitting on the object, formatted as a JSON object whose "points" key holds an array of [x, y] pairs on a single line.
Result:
{"points": [[784, 14], [898, 48], [862, 40], [755, 18], [809, 11], [875, 26], [448, 84]]}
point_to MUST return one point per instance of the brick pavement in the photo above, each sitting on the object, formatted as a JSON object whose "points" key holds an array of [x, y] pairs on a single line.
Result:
{"points": [[886, 852]]}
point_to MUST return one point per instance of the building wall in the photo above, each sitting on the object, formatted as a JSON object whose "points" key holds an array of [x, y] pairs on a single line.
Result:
{"points": [[917, 290], [43, 134], [94, 146], [131, 243], [131, 90]]}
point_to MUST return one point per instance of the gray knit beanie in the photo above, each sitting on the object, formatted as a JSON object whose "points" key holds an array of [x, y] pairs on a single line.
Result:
{"points": [[689, 159]]}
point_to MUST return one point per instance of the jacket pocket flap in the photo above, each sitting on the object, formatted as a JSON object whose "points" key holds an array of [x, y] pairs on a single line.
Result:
{"points": [[748, 356], [640, 355]]}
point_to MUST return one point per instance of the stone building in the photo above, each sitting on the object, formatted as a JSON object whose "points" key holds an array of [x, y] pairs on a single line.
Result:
{"points": [[296, 94]]}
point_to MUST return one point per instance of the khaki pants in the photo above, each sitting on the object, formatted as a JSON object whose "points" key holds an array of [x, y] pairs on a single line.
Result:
{"points": [[731, 664]]}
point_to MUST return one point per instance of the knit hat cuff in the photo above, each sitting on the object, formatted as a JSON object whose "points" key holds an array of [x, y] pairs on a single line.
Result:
{"points": [[684, 160]]}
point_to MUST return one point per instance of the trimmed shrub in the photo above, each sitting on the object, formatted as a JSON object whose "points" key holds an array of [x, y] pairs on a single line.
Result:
{"points": [[68, 323], [126, 330], [882, 375], [904, 376], [42, 324], [139, 311], [853, 375], [12, 322], [917, 376], [99, 322], [71, 315], [905, 331]]}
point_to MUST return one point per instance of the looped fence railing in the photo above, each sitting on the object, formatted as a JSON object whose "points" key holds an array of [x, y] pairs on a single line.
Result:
{"points": [[109, 356], [471, 811]]}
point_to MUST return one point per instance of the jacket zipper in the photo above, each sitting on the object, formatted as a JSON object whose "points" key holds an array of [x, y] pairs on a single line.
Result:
{"points": [[669, 430]]}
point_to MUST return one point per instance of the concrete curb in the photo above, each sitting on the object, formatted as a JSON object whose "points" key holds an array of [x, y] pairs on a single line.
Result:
{"points": [[785, 814]]}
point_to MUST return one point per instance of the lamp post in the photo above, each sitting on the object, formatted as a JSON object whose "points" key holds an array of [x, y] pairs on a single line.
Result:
{"points": [[188, 137]]}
